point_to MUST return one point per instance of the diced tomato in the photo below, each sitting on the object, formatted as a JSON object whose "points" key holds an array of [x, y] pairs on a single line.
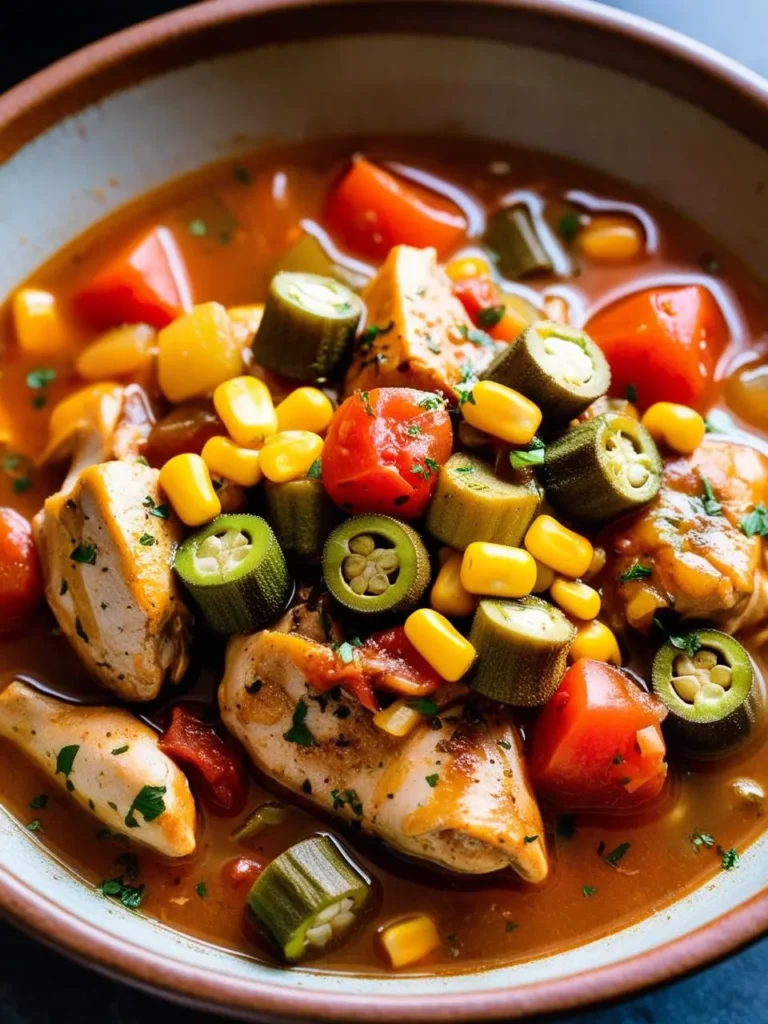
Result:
{"points": [[241, 872], [215, 766], [663, 342], [383, 451], [371, 211], [391, 662], [488, 308], [146, 284], [21, 583], [597, 744]]}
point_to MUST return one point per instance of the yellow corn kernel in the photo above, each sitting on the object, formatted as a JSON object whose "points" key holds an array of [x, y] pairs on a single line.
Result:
{"points": [[409, 940], [39, 324], [558, 547], [398, 719], [187, 483], [439, 643], [289, 454], [117, 353], [502, 412], [224, 457], [448, 596], [466, 267], [678, 426], [245, 407], [247, 316], [595, 640], [497, 570], [544, 578], [305, 409], [197, 352], [577, 599], [611, 239]]}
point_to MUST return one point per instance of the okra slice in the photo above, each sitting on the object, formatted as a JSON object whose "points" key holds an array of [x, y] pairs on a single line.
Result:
{"points": [[514, 240], [714, 699], [472, 503], [310, 897], [601, 469], [308, 326], [302, 516], [307, 255], [522, 648], [558, 367], [264, 816], [376, 564], [235, 572]]}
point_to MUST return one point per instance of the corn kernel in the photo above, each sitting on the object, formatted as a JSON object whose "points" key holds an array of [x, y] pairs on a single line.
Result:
{"points": [[448, 596], [197, 352], [117, 353], [398, 719], [39, 325], [577, 599], [545, 577], [439, 643], [502, 412], [678, 426], [187, 483], [497, 570], [305, 409], [409, 940], [245, 407], [247, 316], [611, 239], [224, 457], [466, 267], [595, 640], [558, 547], [289, 454]]}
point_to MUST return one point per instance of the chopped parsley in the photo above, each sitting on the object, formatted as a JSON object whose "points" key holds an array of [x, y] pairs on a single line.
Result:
{"points": [[146, 540], [465, 396], [159, 511], [21, 484], [511, 926], [80, 631], [636, 572], [613, 858], [119, 750], [315, 471], [618, 759], [434, 346], [85, 554], [432, 780], [701, 839], [65, 760], [630, 393], [365, 398], [568, 226], [413, 429], [491, 315], [533, 455], [38, 803], [345, 652], [729, 858], [465, 469], [299, 733], [431, 403], [424, 705], [711, 505], [429, 467], [130, 896], [566, 826], [347, 798], [38, 380], [756, 522], [530, 839], [371, 333], [689, 642], [504, 744], [148, 803], [35, 826], [475, 336], [197, 227], [202, 890], [588, 890], [129, 862]]}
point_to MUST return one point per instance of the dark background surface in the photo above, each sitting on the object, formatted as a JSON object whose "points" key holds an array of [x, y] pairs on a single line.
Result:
{"points": [[40, 987]]}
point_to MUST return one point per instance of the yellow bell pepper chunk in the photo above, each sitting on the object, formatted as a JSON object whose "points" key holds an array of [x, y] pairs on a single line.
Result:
{"points": [[305, 409], [398, 719], [224, 458], [678, 426], [465, 267], [247, 316], [502, 412], [39, 325], [497, 570], [611, 239], [440, 644], [409, 941], [577, 599], [558, 547], [595, 640], [197, 352], [187, 483], [289, 454], [122, 351], [245, 407], [448, 596]]}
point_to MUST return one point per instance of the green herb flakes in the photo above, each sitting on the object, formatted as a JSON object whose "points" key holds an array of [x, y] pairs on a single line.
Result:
{"points": [[636, 572], [299, 733], [148, 803]]}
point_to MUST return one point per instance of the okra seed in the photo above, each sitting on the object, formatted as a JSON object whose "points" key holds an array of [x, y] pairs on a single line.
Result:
{"points": [[366, 570], [362, 544], [358, 585], [687, 687], [721, 674], [353, 566], [378, 584], [221, 553], [386, 558], [705, 659], [709, 693], [684, 666]]}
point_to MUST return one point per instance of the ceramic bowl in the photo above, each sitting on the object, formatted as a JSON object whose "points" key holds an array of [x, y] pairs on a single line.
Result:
{"points": [[571, 78]]}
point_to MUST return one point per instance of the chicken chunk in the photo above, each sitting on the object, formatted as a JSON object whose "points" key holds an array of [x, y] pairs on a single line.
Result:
{"points": [[457, 796], [424, 338], [109, 762], [107, 563], [702, 564]]}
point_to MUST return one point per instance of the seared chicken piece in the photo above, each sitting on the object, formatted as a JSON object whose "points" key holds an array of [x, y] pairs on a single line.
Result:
{"points": [[703, 565], [109, 762], [457, 795], [423, 340], [108, 578]]}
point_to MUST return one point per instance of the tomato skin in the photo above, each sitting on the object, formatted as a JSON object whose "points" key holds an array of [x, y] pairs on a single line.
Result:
{"points": [[21, 581], [241, 872], [664, 342], [583, 751], [369, 456], [391, 662], [146, 284], [218, 770]]}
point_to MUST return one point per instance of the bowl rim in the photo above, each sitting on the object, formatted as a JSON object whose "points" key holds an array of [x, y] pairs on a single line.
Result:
{"points": [[666, 58]]}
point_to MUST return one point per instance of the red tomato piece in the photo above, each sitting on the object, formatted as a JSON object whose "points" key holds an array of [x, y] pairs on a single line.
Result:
{"points": [[215, 766], [241, 872], [477, 294], [371, 210], [146, 284], [391, 662], [597, 743], [664, 342], [383, 451], [21, 583]]}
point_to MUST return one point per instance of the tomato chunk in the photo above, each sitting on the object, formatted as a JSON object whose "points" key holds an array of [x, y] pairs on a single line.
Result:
{"points": [[371, 211], [215, 766], [597, 744], [664, 342], [146, 284], [241, 872], [391, 662], [383, 450], [21, 583]]}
